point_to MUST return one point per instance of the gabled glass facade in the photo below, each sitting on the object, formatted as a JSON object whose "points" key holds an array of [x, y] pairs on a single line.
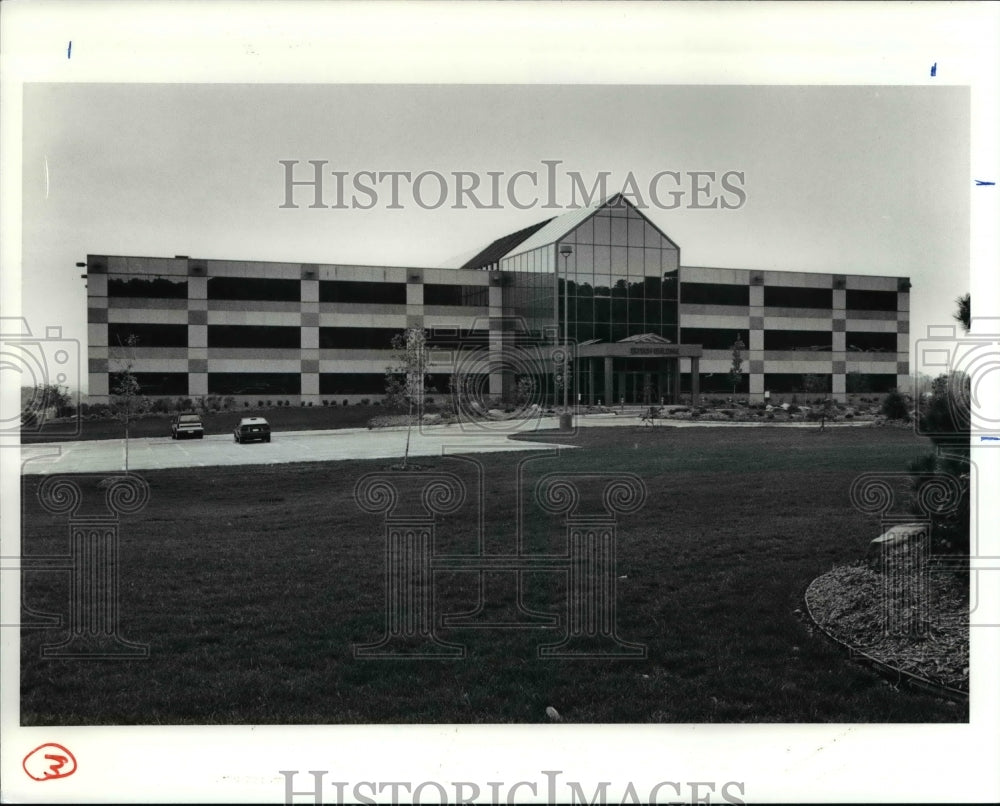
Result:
{"points": [[619, 279]]}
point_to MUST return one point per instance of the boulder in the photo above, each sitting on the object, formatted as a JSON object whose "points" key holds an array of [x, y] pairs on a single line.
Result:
{"points": [[889, 543]]}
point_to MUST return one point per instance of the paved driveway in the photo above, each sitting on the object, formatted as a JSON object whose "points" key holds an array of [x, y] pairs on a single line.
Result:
{"points": [[94, 456]]}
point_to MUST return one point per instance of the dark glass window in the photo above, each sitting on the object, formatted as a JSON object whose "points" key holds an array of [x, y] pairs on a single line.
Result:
{"points": [[669, 287], [814, 340], [253, 288], [792, 382], [155, 287], [254, 383], [154, 383], [714, 294], [716, 383], [712, 338], [357, 338], [263, 336], [453, 337], [790, 297], [147, 335], [871, 342], [363, 292], [351, 383], [871, 300], [861, 382], [470, 295]]}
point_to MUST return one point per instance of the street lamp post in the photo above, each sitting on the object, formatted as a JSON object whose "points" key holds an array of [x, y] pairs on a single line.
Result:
{"points": [[566, 419]]}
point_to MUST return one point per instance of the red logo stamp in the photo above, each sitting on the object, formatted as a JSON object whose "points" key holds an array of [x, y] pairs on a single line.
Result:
{"points": [[48, 761]]}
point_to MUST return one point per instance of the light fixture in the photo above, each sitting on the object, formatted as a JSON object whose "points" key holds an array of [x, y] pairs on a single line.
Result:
{"points": [[566, 421]]}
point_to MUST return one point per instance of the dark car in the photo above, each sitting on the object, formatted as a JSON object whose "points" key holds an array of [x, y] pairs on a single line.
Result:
{"points": [[186, 425], [251, 429]]}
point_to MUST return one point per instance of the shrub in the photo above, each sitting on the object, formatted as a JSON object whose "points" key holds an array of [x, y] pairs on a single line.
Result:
{"points": [[792, 408], [894, 406], [326, 402], [345, 402], [246, 404], [946, 419], [365, 401], [269, 404]]}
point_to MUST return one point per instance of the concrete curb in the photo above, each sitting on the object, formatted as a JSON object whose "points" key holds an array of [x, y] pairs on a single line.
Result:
{"points": [[886, 670]]}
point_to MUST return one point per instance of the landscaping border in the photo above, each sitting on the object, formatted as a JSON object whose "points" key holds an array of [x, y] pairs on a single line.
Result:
{"points": [[884, 669]]}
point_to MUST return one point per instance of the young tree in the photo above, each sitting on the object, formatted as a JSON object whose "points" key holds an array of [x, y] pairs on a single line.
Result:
{"points": [[736, 370], [406, 378], [127, 401], [815, 385]]}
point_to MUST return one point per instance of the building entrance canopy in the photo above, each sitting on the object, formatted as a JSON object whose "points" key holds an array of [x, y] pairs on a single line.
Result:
{"points": [[644, 369]]}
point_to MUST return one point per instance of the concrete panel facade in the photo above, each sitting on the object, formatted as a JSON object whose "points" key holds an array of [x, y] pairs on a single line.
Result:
{"points": [[179, 291]]}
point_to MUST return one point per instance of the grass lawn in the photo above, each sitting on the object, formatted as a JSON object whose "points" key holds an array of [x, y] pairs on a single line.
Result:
{"points": [[251, 585]]}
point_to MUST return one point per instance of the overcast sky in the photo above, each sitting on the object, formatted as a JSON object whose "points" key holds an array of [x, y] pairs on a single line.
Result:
{"points": [[866, 180]]}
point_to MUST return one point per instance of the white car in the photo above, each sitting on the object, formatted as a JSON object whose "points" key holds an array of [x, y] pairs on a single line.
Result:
{"points": [[186, 425]]}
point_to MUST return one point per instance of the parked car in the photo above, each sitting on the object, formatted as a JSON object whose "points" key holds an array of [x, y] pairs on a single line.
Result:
{"points": [[252, 428], [186, 425]]}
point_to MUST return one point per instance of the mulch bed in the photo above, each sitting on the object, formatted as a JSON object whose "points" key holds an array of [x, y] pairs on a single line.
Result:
{"points": [[850, 603]]}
